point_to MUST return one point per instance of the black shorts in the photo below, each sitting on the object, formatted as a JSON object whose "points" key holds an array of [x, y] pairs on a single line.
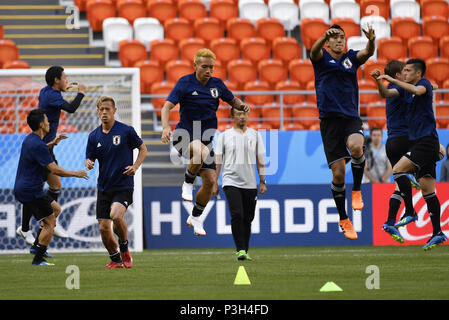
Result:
{"points": [[424, 153], [334, 133], [106, 198], [396, 148], [40, 208], [181, 143]]}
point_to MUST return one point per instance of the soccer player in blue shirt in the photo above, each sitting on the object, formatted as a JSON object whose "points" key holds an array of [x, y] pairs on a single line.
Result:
{"points": [[112, 144], [338, 103], [198, 95], [34, 158], [424, 152]]}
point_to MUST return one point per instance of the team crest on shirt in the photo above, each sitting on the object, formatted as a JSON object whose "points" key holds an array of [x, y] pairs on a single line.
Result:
{"points": [[347, 63], [116, 140], [214, 92]]}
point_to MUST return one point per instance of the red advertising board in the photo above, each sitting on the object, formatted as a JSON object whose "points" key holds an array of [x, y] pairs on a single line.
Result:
{"points": [[416, 233]]}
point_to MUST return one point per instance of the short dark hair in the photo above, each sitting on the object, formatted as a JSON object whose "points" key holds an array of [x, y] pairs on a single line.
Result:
{"points": [[336, 26], [53, 73], [418, 64], [375, 129], [393, 67], [34, 118]]}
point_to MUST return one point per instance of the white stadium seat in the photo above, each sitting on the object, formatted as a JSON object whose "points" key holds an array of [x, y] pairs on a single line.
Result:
{"points": [[406, 9], [114, 31], [147, 30], [286, 12], [315, 10], [346, 9], [253, 10], [379, 24]]}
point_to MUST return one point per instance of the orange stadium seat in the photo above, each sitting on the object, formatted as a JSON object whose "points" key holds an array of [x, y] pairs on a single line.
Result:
{"points": [[16, 64], [189, 47], [286, 49], [254, 116], [376, 116], [405, 28], [164, 50], [178, 29], [367, 98], [434, 8], [241, 72], [444, 47], [223, 10], [301, 70], [177, 68], [307, 116], [311, 30], [375, 7], [446, 95], [150, 72], [131, 51], [8, 52], [208, 29], [422, 47], [438, 69], [271, 114], [2, 32], [191, 10], [435, 27], [220, 70], [272, 71], [352, 29], [270, 29], [174, 117], [97, 11], [226, 49], [258, 100], [163, 87], [255, 49], [131, 9], [291, 86], [372, 64], [442, 116], [391, 48], [240, 28], [311, 98], [162, 10]]}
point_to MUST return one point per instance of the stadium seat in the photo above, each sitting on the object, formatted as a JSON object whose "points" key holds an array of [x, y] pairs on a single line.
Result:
{"points": [[391, 48], [367, 98], [147, 30], [258, 100], [225, 49], [287, 12], [307, 116], [286, 49], [346, 9], [438, 69], [191, 10], [405, 28], [422, 47], [240, 28], [16, 64], [97, 11], [435, 27], [301, 70], [311, 98], [2, 32], [223, 10], [375, 8], [150, 72], [379, 24], [178, 29], [189, 47], [271, 114], [164, 51], [163, 87], [290, 99], [175, 69], [81, 4], [208, 29], [359, 43], [253, 10], [311, 30], [319, 10], [303, 2], [131, 51], [255, 49], [376, 115], [370, 65], [254, 116], [435, 8], [352, 29], [444, 47], [131, 9], [442, 116], [8, 52], [115, 30], [162, 10], [241, 72], [272, 71], [406, 9], [220, 70], [269, 29]]}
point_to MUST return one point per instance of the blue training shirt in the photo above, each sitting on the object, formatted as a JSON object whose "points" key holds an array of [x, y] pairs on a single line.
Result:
{"points": [[198, 102], [51, 101], [396, 112], [420, 117], [337, 89], [114, 152], [34, 157]]}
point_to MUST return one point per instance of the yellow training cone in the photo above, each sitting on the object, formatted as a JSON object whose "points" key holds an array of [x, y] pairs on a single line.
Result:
{"points": [[330, 287], [242, 277]]}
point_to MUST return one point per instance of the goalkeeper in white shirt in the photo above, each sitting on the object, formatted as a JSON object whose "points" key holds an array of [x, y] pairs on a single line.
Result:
{"points": [[237, 151]]}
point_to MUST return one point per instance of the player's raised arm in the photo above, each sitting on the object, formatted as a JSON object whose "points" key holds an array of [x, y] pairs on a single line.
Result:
{"points": [[239, 105], [59, 171], [384, 92], [315, 52], [416, 90], [364, 54]]}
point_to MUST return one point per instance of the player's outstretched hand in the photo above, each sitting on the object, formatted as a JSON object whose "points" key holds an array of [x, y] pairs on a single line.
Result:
{"points": [[245, 107], [386, 77], [370, 34], [130, 171], [58, 139], [375, 74], [89, 164], [166, 133], [82, 174]]}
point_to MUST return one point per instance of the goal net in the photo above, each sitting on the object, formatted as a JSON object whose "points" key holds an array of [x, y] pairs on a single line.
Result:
{"points": [[19, 91]]}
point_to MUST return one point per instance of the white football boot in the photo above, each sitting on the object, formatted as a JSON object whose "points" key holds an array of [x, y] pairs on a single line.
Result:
{"points": [[59, 232], [197, 225], [187, 191], [27, 236]]}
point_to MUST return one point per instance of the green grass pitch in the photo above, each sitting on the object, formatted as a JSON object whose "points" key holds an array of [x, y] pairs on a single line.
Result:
{"points": [[281, 273]]}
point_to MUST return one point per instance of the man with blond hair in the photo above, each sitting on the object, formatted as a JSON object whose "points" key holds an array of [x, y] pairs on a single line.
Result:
{"points": [[198, 94], [112, 144]]}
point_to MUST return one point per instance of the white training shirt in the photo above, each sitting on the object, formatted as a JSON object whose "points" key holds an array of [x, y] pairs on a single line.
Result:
{"points": [[238, 150]]}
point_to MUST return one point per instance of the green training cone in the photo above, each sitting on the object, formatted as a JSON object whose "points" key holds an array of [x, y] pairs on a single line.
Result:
{"points": [[242, 277], [330, 287]]}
